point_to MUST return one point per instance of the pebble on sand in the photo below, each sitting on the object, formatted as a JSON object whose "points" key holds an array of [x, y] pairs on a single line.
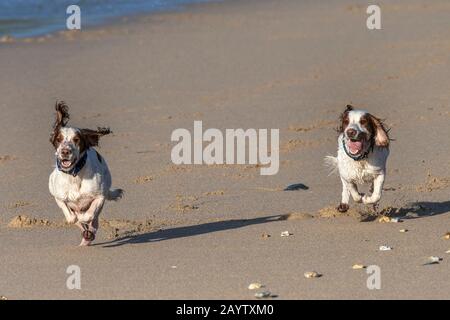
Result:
{"points": [[286, 234], [433, 260], [312, 274], [385, 219], [254, 286], [447, 236], [261, 295]]}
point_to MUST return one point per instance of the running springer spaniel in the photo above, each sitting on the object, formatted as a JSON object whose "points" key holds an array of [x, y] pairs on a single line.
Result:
{"points": [[363, 149], [81, 181]]}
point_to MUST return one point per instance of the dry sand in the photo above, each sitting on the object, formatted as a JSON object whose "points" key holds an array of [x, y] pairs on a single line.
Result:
{"points": [[291, 65]]}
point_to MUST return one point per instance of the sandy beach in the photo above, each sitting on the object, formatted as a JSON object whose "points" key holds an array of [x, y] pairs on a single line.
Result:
{"points": [[207, 232]]}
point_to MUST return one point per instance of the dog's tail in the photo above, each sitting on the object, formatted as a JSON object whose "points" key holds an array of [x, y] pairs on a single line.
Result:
{"points": [[331, 163], [114, 194]]}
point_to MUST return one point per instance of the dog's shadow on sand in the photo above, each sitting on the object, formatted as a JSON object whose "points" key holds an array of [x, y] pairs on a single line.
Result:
{"points": [[413, 210], [187, 231], [421, 209]]}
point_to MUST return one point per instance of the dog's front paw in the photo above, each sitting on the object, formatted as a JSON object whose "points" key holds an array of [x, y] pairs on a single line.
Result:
{"points": [[84, 218], [343, 207], [370, 200], [71, 219], [359, 198]]}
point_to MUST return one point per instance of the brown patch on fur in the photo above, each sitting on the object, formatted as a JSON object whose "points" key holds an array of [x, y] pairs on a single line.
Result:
{"points": [[91, 137], [343, 119], [376, 126], [84, 139], [79, 141], [381, 136], [61, 119]]}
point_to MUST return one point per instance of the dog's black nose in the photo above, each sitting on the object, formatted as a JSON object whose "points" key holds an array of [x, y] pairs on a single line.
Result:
{"points": [[351, 133], [65, 152]]}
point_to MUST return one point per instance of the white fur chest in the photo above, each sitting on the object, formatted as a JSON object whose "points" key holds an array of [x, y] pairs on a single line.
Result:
{"points": [[68, 188], [358, 171], [361, 171], [93, 180]]}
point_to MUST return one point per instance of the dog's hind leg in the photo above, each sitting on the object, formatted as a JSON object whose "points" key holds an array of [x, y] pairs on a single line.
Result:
{"points": [[89, 221], [87, 235]]}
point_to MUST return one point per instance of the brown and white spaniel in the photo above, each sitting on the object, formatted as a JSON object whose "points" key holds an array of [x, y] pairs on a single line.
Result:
{"points": [[363, 149], [81, 181]]}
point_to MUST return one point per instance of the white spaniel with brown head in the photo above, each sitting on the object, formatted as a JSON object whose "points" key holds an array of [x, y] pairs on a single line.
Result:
{"points": [[363, 149], [81, 181]]}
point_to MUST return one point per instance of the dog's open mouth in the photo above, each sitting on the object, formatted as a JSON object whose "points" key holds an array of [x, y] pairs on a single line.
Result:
{"points": [[65, 163], [355, 147]]}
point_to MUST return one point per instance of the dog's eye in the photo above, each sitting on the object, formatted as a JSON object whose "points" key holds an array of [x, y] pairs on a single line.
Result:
{"points": [[363, 121], [76, 140]]}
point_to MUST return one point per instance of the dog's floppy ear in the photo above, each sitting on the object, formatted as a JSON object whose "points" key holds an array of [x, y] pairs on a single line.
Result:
{"points": [[91, 137], [61, 119], [381, 135], [343, 118]]}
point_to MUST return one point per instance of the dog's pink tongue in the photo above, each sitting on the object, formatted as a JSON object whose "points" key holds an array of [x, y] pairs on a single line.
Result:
{"points": [[355, 146]]}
